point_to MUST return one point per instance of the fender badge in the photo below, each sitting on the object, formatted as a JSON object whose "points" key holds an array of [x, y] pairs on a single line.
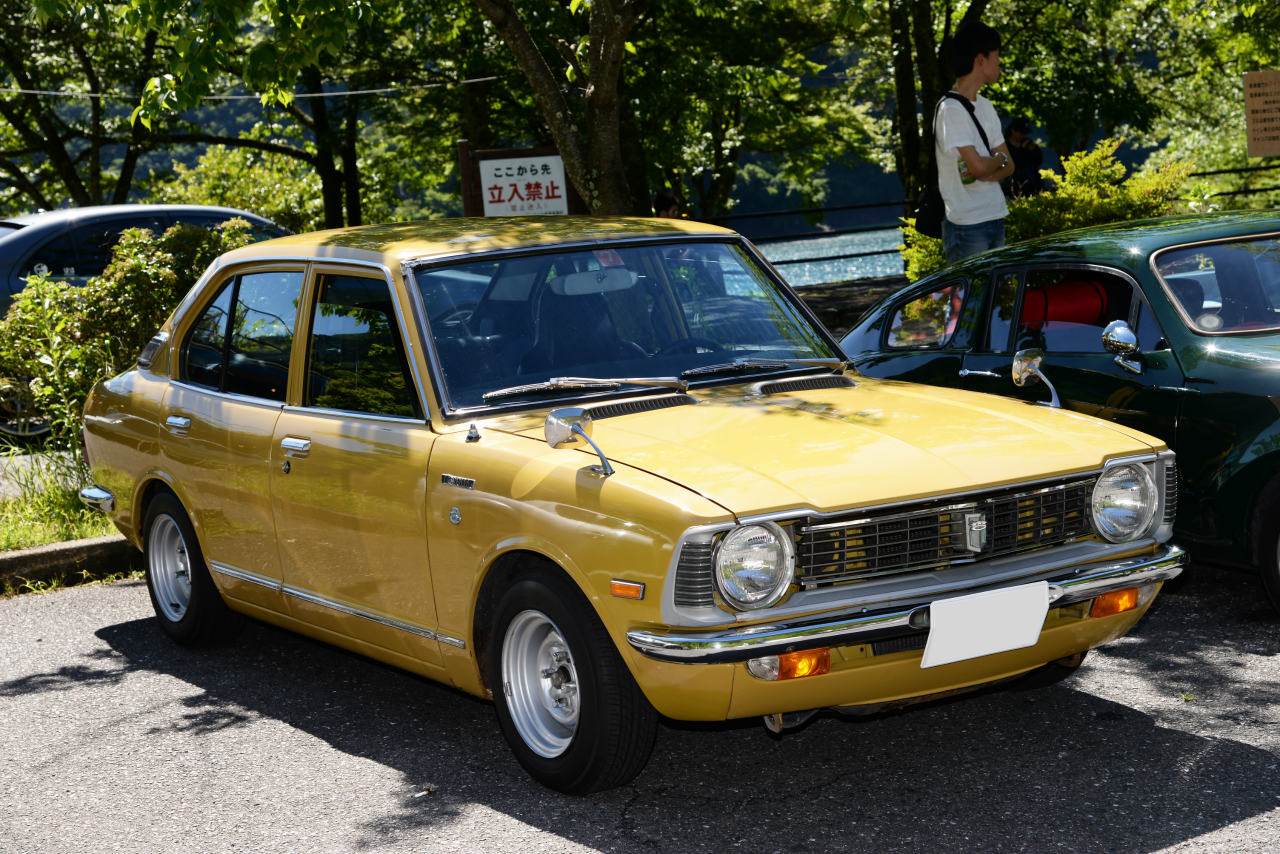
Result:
{"points": [[454, 480]]}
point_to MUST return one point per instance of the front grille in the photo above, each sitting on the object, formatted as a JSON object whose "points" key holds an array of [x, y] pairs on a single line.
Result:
{"points": [[937, 535], [693, 576]]}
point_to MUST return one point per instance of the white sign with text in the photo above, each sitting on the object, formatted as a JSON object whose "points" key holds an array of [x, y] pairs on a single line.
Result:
{"points": [[516, 186]]}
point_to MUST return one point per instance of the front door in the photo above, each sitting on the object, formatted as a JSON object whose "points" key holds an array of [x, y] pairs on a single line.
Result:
{"points": [[1063, 311], [349, 476]]}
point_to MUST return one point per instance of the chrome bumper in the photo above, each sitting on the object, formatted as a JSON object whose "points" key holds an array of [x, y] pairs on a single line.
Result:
{"points": [[98, 498], [741, 644]]}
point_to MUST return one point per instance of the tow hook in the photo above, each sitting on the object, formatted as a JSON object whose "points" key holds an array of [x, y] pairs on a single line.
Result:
{"points": [[787, 720]]}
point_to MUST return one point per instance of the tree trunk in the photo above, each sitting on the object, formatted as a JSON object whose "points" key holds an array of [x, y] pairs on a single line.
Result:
{"points": [[328, 148], [592, 154]]}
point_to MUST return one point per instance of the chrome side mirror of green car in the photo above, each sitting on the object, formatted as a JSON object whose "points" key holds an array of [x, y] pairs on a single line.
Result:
{"points": [[1026, 369], [1119, 340], [570, 427]]}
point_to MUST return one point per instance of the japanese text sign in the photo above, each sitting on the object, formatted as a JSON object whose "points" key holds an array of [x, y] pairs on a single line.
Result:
{"points": [[523, 185], [1262, 112]]}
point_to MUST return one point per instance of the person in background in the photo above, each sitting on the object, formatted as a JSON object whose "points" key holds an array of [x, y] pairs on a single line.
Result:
{"points": [[1027, 157], [969, 169], [665, 205]]}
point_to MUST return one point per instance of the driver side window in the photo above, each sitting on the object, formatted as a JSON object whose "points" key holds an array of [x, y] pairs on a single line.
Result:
{"points": [[1066, 311]]}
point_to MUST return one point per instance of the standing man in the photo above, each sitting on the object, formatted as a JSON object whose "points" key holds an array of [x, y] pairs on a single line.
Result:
{"points": [[969, 168]]}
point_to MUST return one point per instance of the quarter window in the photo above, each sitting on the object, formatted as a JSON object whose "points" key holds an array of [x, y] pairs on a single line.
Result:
{"points": [[929, 320], [246, 350], [356, 361]]}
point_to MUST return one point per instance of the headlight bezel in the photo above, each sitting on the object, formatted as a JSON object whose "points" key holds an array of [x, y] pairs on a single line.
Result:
{"points": [[734, 595], [1152, 502]]}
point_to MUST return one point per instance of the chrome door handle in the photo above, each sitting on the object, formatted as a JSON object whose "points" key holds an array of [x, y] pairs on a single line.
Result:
{"points": [[295, 447], [178, 423], [965, 372]]}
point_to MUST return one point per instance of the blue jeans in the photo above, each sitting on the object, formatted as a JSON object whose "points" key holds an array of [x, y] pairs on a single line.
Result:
{"points": [[961, 241]]}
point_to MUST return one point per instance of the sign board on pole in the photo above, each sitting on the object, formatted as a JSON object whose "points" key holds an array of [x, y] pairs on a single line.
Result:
{"points": [[516, 186], [1262, 112]]}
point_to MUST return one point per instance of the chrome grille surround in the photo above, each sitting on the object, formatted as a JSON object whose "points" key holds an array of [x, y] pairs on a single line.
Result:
{"points": [[936, 535]]}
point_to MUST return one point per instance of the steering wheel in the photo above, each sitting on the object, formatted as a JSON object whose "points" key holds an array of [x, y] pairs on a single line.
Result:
{"points": [[457, 313], [689, 345]]}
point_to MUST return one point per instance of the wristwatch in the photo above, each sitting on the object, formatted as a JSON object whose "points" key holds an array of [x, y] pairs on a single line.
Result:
{"points": [[1004, 159]]}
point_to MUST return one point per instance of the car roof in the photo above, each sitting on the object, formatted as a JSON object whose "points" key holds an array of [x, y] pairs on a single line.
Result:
{"points": [[63, 215], [406, 241], [1128, 244]]}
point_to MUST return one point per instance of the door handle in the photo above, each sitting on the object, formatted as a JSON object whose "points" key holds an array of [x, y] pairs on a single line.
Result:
{"points": [[178, 424], [965, 372], [295, 447]]}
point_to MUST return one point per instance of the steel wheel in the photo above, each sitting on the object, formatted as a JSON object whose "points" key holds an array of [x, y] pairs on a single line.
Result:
{"points": [[170, 565], [541, 683]]}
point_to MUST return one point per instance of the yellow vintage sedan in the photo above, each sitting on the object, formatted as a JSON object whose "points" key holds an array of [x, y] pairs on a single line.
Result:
{"points": [[605, 470]]}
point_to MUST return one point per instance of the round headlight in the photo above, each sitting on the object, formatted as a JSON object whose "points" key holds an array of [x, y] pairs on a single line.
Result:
{"points": [[1124, 502], [754, 566]]}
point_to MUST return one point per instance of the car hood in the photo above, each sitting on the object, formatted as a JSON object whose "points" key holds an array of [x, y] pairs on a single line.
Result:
{"points": [[833, 449]]}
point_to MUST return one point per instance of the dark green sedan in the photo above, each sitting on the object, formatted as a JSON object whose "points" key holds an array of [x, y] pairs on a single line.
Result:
{"points": [[1170, 326]]}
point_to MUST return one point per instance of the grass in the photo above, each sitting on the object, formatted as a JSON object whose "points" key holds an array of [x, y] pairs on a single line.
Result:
{"points": [[22, 586], [48, 508]]}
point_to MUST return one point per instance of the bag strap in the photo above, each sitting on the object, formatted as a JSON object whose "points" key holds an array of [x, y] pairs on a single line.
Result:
{"points": [[956, 96]]}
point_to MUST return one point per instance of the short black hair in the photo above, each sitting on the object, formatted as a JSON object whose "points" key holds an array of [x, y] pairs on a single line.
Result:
{"points": [[663, 201], [967, 43]]}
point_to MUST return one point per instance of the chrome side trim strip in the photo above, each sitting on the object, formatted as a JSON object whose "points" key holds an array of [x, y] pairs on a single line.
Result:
{"points": [[98, 498], [244, 575], [740, 644], [326, 602], [451, 641]]}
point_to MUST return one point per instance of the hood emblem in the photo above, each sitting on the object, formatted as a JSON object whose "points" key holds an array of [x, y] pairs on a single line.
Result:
{"points": [[975, 532]]}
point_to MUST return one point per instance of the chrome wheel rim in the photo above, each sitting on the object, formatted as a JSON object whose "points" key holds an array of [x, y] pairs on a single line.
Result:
{"points": [[169, 568], [540, 684]]}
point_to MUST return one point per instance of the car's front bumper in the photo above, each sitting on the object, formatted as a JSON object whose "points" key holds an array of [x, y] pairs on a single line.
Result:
{"points": [[1084, 582]]}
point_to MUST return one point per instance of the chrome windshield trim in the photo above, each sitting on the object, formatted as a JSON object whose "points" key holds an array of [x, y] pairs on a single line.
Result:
{"points": [[244, 575], [740, 644], [343, 608], [98, 498]]}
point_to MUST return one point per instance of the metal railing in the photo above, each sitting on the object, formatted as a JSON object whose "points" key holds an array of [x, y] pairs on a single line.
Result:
{"points": [[902, 205]]}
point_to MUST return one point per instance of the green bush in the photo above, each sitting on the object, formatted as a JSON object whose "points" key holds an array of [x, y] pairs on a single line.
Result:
{"points": [[59, 339], [1092, 191]]}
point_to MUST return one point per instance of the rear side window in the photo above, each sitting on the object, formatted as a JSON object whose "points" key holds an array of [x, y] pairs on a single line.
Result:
{"points": [[1225, 287], [56, 259], [927, 320], [242, 341], [95, 241]]}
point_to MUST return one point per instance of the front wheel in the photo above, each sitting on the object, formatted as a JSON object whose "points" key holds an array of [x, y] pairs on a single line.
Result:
{"points": [[1266, 536], [567, 704], [187, 604]]}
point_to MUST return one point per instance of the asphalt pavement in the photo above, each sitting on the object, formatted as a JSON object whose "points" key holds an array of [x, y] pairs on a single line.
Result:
{"points": [[114, 739]]}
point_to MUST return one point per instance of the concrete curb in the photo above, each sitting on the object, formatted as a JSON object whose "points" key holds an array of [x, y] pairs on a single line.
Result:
{"points": [[97, 555]]}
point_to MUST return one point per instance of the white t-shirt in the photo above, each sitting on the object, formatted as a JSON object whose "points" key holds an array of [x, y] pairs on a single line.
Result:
{"points": [[980, 201]]}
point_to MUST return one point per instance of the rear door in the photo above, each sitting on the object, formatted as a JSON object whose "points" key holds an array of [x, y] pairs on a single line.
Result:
{"points": [[220, 414]]}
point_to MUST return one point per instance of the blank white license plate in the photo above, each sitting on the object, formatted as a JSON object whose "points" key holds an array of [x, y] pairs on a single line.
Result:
{"points": [[985, 623]]}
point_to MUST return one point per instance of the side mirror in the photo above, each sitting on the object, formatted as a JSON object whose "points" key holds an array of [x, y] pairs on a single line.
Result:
{"points": [[567, 428], [570, 427], [1026, 369], [1119, 340]]}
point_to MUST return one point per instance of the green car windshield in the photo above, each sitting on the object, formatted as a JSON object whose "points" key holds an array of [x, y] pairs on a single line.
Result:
{"points": [[669, 309], [1230, 286]]}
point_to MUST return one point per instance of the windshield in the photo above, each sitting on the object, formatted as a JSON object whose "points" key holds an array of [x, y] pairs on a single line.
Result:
{"points": [[608, 313], [1225, 287]]}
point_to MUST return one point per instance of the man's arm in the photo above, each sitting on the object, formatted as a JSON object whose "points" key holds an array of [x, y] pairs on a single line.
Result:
{"points": [[994, 168]]}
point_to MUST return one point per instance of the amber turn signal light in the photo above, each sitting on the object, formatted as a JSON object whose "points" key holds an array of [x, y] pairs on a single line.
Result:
{"points": [[626, 589], [810, 662], [1115, 602]]}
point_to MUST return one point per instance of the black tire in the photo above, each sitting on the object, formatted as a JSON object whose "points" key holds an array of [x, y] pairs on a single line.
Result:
{"points": [[1266, 539], [548, 646], [187, 604]]}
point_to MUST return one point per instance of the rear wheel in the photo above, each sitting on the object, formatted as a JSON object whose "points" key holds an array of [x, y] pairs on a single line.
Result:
{"points": [[1266, 535], [186, 602], [567, 704]]}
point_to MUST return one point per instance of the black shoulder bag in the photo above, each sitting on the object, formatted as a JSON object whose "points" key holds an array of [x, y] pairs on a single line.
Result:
{"points": [[930, 209]]}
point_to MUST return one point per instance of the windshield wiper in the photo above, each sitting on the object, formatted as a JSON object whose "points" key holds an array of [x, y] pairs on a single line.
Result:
{"points": [[568, 383], [741, 366]]}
